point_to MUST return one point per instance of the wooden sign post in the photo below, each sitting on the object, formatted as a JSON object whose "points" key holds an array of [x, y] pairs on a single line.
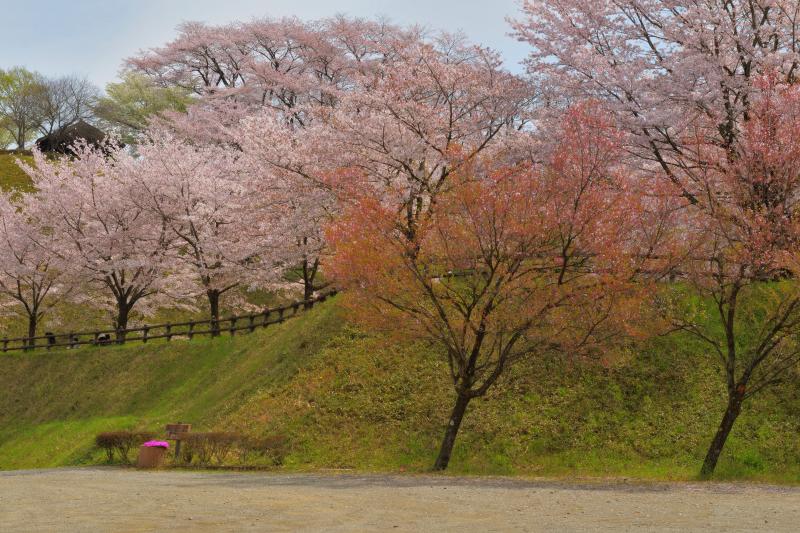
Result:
{"points": [[177, 433]]}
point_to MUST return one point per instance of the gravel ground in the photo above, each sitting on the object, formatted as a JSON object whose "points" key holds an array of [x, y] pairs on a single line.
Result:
{"points": [[126, 500]]}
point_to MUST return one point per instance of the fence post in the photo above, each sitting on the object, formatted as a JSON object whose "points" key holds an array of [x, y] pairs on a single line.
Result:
{"points": [[74, 341]]}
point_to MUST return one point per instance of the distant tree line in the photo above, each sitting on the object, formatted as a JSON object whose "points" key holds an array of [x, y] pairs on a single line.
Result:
{"points": [[33, 105]]}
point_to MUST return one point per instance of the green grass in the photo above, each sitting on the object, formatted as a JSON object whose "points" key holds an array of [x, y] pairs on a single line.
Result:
{"points": [[72, 395], [11, 176], [354, 401]]}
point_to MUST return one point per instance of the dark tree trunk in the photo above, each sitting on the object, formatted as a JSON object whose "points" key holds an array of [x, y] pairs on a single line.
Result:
{"points": [[451, 432], [123, 313], [213, 304], [33, 323], [714, 451]]}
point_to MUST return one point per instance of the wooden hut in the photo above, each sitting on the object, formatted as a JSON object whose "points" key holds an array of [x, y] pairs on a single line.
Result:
{"points": [[61, 140]]}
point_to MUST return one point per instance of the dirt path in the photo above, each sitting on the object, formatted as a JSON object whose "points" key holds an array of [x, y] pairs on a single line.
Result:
{"points": [[122, 500]]}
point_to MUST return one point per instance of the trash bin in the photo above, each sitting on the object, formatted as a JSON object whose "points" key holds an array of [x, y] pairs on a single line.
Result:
{"points": [[152, 453]]}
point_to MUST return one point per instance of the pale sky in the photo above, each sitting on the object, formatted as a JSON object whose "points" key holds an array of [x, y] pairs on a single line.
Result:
{"points": [[92, 37]]}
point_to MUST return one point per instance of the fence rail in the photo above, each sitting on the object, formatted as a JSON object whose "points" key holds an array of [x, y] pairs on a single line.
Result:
{"points": [[186, 330]]}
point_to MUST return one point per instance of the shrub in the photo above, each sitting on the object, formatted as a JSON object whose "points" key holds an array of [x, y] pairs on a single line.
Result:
{"points": [[188, 446], [218, 447], [121, 442], [208, 446], [274, 448], [195, 445], [106, 441]]}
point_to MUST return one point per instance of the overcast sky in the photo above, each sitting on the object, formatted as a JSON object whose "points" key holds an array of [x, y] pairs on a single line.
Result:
{"points": [[92, 37]]}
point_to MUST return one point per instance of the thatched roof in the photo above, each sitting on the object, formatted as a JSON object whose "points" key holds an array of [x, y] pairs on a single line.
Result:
{"points": [[61, 140]]}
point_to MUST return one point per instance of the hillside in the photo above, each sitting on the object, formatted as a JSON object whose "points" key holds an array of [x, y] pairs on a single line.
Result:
{"points": [[348, 400], [11, 177]]}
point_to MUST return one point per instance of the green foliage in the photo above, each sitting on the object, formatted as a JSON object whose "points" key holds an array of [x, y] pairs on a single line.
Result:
{"points": [[341, 399], [22, 94], [130, 104], [5, 137]]}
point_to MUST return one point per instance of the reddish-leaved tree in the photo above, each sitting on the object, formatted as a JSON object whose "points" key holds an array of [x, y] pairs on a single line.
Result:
{"points": [[743, 246], [510, 262]]}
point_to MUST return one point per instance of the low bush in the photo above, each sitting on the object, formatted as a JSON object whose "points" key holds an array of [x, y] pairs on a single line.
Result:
{"points": [[203, 448], [119, 443], [273, 448]]}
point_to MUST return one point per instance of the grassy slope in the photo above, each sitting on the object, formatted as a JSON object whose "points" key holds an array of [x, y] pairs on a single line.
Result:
{"points": [[346, 400], [53, 403], [11, 176]]}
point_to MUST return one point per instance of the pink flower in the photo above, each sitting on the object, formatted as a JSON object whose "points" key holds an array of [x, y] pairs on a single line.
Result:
{"points": [[156, 444]]}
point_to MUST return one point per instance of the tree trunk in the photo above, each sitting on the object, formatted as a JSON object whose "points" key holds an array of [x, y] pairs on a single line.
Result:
{"points": [[451, 432], [123, 312], [308, 283], [213, 304], [714, 451], [32, 325]]}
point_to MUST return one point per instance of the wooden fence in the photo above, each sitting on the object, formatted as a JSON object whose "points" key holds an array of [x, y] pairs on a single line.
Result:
{"points": [[186, 330]]}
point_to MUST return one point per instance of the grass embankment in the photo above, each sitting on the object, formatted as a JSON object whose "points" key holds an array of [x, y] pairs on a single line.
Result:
{"points": [[348, 400], [11, 176]]}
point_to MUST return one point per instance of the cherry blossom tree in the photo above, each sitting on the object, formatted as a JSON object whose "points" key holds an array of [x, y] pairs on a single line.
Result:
{"points": [[743, 244], [436, 108], [223, 235], [99, 234], [304, 100], [279, 162], [29, 276], [663, 65], [283, 70], [399, 130], [513, 262], [284, 64]]}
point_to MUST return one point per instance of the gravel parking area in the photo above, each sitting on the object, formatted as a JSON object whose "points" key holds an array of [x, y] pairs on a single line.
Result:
{"points": [[126, 500]]}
